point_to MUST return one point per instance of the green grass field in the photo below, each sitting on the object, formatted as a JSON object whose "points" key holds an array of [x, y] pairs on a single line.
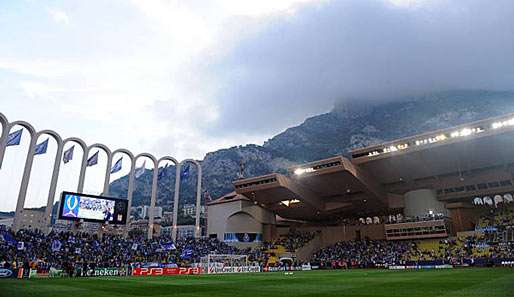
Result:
{"points": [[457, 282]]}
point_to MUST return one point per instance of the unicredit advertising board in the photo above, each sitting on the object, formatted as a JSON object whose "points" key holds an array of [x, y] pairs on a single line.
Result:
{"points": [[166, 271]]}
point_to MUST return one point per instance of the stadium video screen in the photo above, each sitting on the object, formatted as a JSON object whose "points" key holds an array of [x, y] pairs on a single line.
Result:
{"points": [[90, 208]]}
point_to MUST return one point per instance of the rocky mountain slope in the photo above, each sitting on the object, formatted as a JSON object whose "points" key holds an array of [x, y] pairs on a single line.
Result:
{"points": [[346, 127]]}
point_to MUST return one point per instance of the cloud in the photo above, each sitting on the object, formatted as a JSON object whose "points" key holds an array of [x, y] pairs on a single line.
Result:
{"points": [[185, 78], [350, 50], [58, 15]]}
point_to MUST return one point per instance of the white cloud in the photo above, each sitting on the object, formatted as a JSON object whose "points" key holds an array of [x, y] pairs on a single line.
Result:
{"points": [[58, 15]]}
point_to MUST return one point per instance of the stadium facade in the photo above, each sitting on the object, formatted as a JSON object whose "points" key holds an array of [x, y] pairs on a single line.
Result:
{"points": [[431, 185]]}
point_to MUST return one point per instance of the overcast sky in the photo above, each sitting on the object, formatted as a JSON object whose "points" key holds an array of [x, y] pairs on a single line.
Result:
{"points": [[183, 78]]}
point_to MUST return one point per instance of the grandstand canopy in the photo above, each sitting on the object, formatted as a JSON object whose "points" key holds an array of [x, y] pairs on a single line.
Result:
{"points": [[456, 162]]}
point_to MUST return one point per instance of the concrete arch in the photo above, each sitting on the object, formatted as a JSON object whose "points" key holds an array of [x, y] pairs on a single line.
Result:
{"points": [[243, 222], [176, 195], [26, 170], [498, 199], [83, 145], [3, 120], [3, 137], [130, 190], [153, 198], [198, 196], [107, 170], [55, 173]]}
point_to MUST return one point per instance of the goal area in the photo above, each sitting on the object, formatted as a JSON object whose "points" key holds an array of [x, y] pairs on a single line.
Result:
{"points": [[220, 261]]}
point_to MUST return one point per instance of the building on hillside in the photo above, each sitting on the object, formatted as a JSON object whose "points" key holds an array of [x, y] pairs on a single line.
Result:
{"points": [[189, 210], [186, 231], [157, 212], [7, 222]]}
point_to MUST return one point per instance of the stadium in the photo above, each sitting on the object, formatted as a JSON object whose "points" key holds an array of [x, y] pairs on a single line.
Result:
{"points": [[257, 148], [439, 204]]}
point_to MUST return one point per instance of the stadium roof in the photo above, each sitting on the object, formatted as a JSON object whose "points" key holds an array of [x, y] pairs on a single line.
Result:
{"points": [[330, 188]]}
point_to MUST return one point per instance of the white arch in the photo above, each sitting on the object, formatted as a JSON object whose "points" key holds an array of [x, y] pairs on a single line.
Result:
{"points": [[478, 201], [6, 128], [153, 198], [498, 199], [55, 173], [83, 145], [130, 190], [198, 196], [3, 137], [176, 194], [487, 200], [22, 194], [84, 166]]}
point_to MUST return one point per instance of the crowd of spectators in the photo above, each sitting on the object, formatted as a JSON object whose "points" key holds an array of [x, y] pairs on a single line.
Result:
{"points": [[292, 241], [379, 253], [366, 253], [66, 250]]}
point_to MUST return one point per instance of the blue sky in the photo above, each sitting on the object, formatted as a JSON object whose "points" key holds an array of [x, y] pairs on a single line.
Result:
{"points": [[184, 78]]}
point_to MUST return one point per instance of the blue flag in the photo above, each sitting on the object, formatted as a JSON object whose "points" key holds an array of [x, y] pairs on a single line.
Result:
{"points": [[168, 246], [9, 238], [117, 166], [93, 160], [68, 155], [41, 148], [140, 171], [14, 138], [56, 245], [162, 172], [185, 173], [187, 253]]}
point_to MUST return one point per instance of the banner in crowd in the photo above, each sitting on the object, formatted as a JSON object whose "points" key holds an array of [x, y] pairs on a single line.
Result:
{"points": [[242, 237], [6, 273], [233, 269], [166, 271]]}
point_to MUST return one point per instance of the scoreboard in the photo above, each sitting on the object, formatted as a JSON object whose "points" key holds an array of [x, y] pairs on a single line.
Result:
{"points": [[91, 208]]}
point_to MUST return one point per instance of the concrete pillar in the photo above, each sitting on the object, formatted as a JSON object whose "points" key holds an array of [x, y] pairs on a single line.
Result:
{"points": [[130, 193], [22, 194], [198, 230], [175, 201], [153, 200], [3, 137], [53, 183]]}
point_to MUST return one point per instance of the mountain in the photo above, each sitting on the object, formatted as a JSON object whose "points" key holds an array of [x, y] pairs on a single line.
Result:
{"points": [[348, 126]]}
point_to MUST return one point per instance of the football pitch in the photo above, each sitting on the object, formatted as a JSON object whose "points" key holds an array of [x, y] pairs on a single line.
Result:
{"points": [[456, 282]]}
